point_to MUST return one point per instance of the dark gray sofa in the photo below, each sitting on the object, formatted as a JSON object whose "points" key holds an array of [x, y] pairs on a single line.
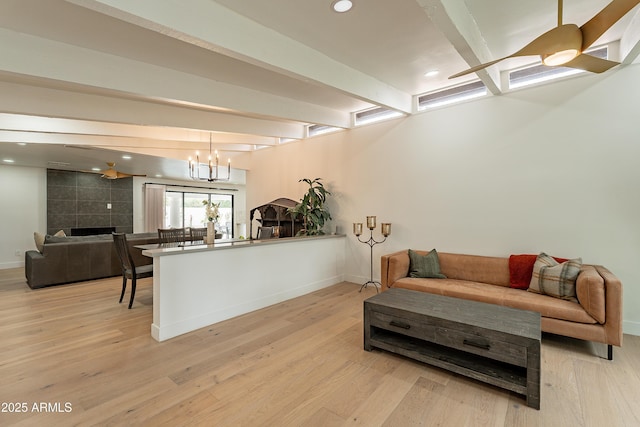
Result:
{"points": [[78, 258]]}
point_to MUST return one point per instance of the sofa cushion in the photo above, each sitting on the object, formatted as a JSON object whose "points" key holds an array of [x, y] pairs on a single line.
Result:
{"points": [[547, 306], [500, 295], [590, 292], [485, 269], [456, 288], [554, 279], [425, 266]]}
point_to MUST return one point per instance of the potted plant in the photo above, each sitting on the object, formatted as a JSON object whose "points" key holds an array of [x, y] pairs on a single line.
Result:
{"points": [[311, 208]]}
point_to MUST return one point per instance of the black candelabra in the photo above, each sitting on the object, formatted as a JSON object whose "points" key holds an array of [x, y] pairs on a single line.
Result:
{"points": [[371, 225]]}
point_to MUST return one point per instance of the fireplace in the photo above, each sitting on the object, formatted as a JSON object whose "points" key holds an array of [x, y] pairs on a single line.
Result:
{"points": [[90, 231]]}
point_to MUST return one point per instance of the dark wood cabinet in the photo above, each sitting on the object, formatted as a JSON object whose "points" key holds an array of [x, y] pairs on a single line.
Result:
{"points": [[276, 214]]}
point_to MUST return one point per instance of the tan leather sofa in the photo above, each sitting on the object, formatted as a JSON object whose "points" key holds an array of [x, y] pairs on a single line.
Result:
{"points": [[597, 316]]}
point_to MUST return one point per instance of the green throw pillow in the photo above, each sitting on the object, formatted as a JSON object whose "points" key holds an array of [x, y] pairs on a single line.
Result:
{"points": [[425, 266]]}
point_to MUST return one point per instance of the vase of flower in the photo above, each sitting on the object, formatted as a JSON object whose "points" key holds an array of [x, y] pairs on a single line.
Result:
{"points": [[211, 210]]}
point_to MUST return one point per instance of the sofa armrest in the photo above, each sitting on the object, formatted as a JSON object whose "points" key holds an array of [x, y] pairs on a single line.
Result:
{"points": [[393, 267], [42, 270], [613, 306]]}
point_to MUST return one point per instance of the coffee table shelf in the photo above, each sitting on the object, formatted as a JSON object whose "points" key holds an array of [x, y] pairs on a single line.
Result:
{"points": [[504, 375]]}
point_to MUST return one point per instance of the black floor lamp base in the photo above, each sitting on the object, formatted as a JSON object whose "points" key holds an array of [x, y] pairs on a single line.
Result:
{"points": [[371, 282]]}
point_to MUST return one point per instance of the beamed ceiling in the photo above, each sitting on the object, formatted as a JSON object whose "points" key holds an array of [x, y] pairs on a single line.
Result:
{"points": [[84, 81]]}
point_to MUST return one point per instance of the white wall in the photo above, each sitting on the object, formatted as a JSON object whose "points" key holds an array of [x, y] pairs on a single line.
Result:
{"points": [[23, 194], [553, 168]]}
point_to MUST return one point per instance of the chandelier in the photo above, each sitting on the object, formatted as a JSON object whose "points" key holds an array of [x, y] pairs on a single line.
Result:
{"points": [[195, 166]]}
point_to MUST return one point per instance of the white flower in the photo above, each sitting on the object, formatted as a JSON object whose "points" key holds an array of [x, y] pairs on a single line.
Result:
{"points": [[211, 210]]}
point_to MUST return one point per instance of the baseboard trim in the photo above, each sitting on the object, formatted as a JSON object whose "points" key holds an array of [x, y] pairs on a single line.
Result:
{"points": [[356, 279], [631, 328], [13, 264]]}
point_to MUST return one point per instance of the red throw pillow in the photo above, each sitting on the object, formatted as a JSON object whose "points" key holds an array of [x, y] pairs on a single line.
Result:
{"points": [[521, 270]]}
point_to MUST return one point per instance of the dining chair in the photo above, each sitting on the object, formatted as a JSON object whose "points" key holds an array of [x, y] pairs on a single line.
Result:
{"points": [[171, 235], [129, 269], [198, 233]]}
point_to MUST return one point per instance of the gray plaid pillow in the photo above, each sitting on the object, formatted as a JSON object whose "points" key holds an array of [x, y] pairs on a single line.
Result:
{"points": [[554, 279]]}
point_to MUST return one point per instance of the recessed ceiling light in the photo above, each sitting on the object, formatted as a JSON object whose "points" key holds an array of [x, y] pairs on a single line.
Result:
{"points": [[126, 157], [96, 169], [8, 160], [431, 73], [341, 6], [22, 143], [158, 176]]}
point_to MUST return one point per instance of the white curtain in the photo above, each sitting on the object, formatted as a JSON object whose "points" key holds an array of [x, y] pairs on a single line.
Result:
{"points": [[154, 207]]}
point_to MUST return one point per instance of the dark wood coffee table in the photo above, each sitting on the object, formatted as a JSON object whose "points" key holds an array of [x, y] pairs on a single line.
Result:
{"points": [[487, 342]]}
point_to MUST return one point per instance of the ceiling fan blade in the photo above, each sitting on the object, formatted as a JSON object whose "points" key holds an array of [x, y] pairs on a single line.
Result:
{"points": [[591, 63], [109, 174], [125, 175], [596, 26], [566, 36]]}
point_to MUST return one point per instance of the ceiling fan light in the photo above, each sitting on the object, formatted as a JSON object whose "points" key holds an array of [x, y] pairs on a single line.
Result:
{"points": [[559, 58]]}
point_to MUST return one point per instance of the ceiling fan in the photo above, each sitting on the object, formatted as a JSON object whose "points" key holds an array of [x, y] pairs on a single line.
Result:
{"points": [[565, 44], [111, 173]]}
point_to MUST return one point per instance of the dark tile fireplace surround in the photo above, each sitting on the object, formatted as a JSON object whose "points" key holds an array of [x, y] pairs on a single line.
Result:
{"points": [[78, 203]]}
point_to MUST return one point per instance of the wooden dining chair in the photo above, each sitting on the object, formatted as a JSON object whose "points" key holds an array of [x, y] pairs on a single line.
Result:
{"points": [[171, 235], [198, 233], [129, 269]]}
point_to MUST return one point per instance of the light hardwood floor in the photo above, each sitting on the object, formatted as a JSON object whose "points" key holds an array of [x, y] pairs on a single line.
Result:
{"points": [[297, 363]]}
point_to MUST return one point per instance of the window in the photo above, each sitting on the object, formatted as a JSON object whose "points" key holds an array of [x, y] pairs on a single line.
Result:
{"points": [[173, 216], [183, 209], [376, 114], [452, 95], [313, 130], [541, 73]]}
